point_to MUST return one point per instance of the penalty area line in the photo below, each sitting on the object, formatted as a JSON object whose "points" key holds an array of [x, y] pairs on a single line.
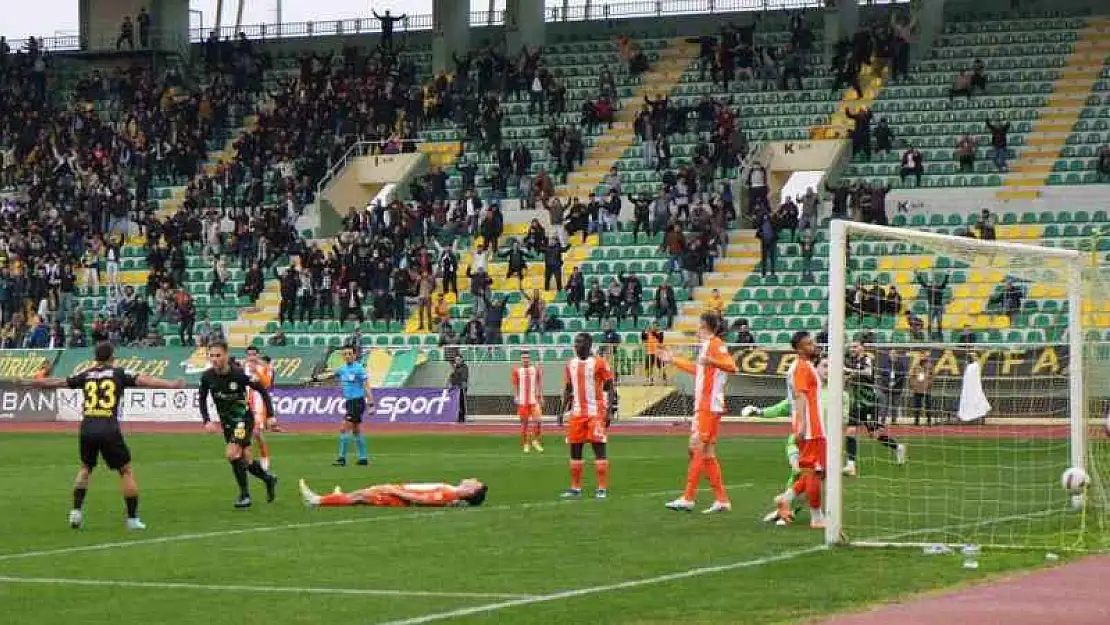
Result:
{"points": [[593, 590], [294, 590], [381, 518]]}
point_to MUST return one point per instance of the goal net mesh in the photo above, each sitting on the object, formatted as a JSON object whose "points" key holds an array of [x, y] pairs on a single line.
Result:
{"points": [[955, 453]]}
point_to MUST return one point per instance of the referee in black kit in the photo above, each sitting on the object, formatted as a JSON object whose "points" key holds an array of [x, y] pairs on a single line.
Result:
{"points": [[102, 387]]}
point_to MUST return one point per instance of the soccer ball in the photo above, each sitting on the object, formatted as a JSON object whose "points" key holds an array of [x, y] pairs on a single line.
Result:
{"points": [[1075, 481]]}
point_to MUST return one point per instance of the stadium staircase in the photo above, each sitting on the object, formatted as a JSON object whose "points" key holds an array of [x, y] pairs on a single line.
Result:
{"points": [[660, 81], [1058, 117], [730, 273], [1027, 61], [840, 125]]}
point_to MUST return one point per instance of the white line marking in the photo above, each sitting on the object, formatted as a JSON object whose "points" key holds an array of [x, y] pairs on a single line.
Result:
{"points": [[635, 583], [306, 524], [124, 583], [662, 579]]}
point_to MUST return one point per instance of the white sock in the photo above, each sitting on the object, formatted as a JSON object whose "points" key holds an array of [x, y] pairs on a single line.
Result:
{"points": [[815, 514], [788, 495]]}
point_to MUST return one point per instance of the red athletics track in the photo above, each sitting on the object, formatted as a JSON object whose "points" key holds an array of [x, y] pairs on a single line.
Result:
{"points": [[754, 430], [1072, 594]]}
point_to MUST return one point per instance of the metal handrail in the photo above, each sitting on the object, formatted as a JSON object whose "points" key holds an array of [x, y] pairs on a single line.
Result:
{"points": [[584, 10], [360, 148]]}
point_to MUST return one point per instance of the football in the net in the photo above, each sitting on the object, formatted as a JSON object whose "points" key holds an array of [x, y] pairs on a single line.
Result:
{"points": [[1075, 480]]}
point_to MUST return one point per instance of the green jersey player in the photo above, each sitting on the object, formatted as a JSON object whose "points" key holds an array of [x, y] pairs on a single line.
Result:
{"points": [[859, 376], [227, 384]]}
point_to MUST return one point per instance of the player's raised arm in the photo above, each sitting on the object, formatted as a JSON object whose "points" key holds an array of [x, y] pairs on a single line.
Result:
{"points": [[47, 382], [666, 356], [149, 381]]}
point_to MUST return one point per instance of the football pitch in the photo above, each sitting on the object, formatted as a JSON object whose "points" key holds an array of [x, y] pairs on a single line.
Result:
{"points": [[524, 557]]}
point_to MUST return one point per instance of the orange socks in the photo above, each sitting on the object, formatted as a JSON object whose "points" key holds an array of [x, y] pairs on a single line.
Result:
{"points": [[602, 467], [801, 484], [337, 499], [576, 474], [713, 470], [523, 433], [537, 427], [693, 476], [813, 492]]}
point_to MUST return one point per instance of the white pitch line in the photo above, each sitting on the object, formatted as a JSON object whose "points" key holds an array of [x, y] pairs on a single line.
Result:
{"points": [[660, 579], [635, 583], [297, 590], [307, 524]]}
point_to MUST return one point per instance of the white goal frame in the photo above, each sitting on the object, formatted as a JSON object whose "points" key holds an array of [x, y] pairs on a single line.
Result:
{"points": [[839, 232]]}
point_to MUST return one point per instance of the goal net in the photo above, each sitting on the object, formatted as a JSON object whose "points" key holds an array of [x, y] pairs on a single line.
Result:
{"points": [[961, 386]]}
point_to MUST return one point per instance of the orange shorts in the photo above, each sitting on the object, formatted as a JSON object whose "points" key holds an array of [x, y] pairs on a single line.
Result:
{"points": [[705, 427], [811, 454], [528, 411], [582, 430]]}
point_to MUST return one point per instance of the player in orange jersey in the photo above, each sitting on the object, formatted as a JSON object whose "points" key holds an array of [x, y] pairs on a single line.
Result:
{"points": [[469, 492], [255, 368], [807, 421], [527, 382], [710, 371], [589, 399]]}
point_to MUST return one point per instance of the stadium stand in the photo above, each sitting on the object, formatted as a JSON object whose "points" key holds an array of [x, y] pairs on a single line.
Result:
{"points": [[231, 154]]}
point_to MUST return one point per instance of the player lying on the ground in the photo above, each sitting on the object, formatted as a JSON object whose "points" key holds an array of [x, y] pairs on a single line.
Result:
{"points": [[784, 409], [469, 492]]}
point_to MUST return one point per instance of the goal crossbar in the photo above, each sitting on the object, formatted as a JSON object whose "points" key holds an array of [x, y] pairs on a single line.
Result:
{"points": [[1056, 262]]}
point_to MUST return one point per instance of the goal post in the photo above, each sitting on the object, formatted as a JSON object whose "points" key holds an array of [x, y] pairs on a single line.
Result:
{"points": [[992, 481]]}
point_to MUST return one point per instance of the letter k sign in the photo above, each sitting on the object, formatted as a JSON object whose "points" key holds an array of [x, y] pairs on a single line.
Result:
{"points": [[788, 148]]}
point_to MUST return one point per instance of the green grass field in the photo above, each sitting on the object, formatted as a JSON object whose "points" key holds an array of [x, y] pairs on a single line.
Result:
{"points": [[523, 558]]}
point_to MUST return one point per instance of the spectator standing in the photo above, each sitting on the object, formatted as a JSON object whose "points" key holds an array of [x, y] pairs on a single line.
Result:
{"points": [[934, 292], [459, 378], [999, 143], [921, 385]]}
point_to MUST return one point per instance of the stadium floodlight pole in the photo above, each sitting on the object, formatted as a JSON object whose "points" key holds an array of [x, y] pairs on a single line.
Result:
{"points": [[1039, 258]]}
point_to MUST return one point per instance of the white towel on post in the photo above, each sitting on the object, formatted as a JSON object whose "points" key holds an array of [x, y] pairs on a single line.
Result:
{"points": [[973, 401]]}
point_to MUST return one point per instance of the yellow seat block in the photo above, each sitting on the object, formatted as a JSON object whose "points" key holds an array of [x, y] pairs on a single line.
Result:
{"points": [[886, 263]]}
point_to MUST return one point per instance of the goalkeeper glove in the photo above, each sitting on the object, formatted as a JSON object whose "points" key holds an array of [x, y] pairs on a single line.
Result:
{"points": [[751, 411]]}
